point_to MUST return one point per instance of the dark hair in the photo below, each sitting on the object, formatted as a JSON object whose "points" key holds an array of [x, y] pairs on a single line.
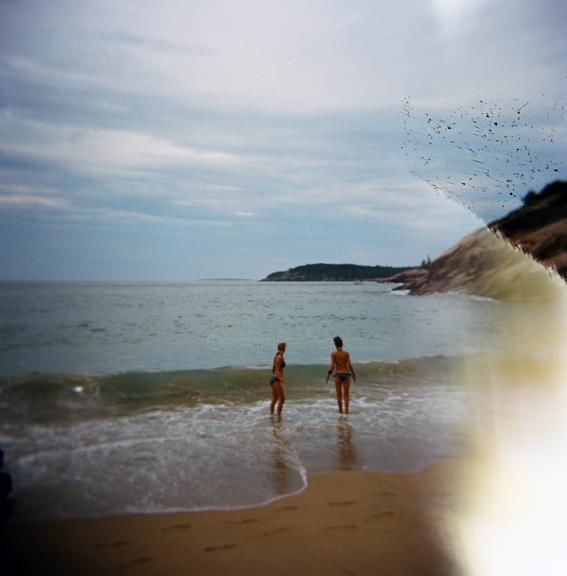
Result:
{"points": [[338, 341]]}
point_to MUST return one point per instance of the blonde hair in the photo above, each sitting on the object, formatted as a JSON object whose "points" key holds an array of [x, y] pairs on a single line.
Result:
{"points": [[281, 346]]}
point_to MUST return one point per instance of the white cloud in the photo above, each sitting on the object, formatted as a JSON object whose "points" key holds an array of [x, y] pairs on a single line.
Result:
{"points": [[39, 72], [292, 56], [224, 112], [118, 216], [30, 200], [106, 151], [130, 216], [218, 204], [453, 14], [25, 196]]}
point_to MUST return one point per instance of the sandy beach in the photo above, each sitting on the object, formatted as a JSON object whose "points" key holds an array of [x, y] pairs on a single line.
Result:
{"points": [[344, 523]]}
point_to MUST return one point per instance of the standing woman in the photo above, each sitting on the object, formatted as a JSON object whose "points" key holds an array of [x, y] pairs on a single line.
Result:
{"points": [[342, 367], [277, 380]]}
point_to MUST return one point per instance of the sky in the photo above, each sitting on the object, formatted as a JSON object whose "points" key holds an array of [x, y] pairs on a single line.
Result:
{"points": [[180, 140]]}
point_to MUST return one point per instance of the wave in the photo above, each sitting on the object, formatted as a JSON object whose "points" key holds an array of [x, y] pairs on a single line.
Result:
{"points": [[47, 396]]}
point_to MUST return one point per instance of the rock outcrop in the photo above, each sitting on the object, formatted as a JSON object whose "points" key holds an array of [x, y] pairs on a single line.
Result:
{"points": [[539, 227], [506, 260]]}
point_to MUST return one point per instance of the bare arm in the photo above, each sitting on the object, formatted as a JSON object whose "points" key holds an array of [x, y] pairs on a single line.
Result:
{"points": [[332, 368], [351, 369]]}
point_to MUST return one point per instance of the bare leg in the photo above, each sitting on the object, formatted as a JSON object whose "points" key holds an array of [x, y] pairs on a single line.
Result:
{"points": [[339, 394], [281, 398], [274, 398], [347, 394]]}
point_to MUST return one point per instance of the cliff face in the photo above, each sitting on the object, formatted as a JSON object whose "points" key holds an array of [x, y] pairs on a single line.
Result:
{"points": [[539, 228], [492, 261]]}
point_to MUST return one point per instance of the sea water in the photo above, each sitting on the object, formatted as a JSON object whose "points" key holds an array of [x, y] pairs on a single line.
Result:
{"points": [[140, 398]]}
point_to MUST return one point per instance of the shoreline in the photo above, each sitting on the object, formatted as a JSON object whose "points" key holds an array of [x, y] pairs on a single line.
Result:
{"points": [[343, 522]]}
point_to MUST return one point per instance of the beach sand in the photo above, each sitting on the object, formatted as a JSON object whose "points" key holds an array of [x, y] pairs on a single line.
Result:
{"points": [[344, 523]]}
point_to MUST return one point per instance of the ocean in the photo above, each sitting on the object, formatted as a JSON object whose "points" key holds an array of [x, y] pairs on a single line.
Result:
{"points": [[120, 398]]}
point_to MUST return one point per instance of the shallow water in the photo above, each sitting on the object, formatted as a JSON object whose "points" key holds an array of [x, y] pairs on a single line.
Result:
{"points": [[108, 408], [109, 328]]}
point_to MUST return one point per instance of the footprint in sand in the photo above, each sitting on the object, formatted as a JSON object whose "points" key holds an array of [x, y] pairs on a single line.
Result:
{"points": [[381, 514], [245, 521], [382, 494], [343, 527], [141, 560], [344, 503], [224, 547], [177, 528], [276, 531]]}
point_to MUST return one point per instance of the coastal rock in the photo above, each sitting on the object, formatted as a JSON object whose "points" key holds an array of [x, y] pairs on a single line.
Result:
{"points": [[415, 275], [492, 261], [539, 227]]}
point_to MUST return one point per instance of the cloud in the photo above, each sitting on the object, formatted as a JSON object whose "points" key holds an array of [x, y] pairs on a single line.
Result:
{"points": [[23, 196], [29, 200], [297, 57], [255, 115], [409, 207], [145, 42], [454, 14], [97, 150]]}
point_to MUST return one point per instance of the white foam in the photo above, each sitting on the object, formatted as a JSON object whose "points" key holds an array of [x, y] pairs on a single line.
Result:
{"points": [[219, 456]]}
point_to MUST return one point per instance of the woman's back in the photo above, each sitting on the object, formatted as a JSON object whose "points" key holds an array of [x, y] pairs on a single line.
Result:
{"points": [[342, 360]]}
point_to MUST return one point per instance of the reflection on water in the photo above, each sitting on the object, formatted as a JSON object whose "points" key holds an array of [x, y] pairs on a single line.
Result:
{"points": [[348, 459], [284, 473]]}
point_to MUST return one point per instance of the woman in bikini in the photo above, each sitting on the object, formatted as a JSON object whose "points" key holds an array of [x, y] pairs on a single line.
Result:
{"points": [[277, 380], [342, 367]]}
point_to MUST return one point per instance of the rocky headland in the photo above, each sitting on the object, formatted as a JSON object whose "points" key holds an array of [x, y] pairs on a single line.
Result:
{"points": [[492, 261]]}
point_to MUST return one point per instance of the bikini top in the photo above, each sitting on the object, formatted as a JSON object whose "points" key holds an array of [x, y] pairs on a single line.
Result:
{"points": [[282, 365]]}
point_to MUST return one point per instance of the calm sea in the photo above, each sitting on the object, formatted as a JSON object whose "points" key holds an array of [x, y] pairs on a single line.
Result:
{"points": [[125, 398]]}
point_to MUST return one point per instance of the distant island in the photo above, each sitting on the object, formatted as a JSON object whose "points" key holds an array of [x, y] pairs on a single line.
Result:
{"points": [[335, 273]]}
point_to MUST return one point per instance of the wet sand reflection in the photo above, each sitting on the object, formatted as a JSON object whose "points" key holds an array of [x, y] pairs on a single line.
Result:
{"points": [[285, 477], [348, 458]]}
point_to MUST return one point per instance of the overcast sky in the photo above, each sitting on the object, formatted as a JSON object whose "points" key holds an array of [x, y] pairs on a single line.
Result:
{"points": [[180, 140]]}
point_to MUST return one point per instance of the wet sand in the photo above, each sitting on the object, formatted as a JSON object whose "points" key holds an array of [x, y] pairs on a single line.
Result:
{"points": [[344, 523]]}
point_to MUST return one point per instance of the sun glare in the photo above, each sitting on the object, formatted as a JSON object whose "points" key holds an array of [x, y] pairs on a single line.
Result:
{"points": [[516, 514]]}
